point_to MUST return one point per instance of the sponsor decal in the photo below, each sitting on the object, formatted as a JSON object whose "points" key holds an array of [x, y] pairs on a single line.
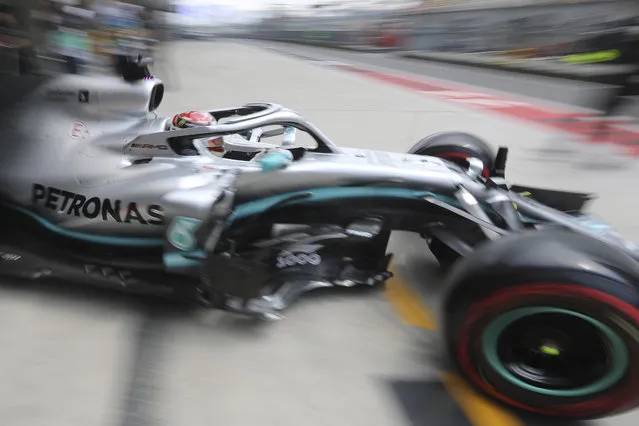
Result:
{"points": [[79, 130], [83, 96], [149, 146], [287, 259], [106, 209], [9, 257], [181, 233], [299, 254], [59, 95]]}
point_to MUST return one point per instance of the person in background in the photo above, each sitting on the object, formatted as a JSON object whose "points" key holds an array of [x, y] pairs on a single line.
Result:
{"points": [[47, 20], [72, 39]]}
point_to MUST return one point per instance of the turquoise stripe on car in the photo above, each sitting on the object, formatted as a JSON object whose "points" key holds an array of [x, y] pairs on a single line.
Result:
{"points": [[180, 260], [246, 210], [91, 238], [332, 193], [325, 194]]}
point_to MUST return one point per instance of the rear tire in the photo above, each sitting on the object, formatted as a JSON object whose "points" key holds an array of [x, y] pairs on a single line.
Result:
{"points": [[553, 340]]}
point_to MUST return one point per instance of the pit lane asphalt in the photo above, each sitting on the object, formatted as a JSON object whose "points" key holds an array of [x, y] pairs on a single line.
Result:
{"points": [[74, 356], [579, 94]]}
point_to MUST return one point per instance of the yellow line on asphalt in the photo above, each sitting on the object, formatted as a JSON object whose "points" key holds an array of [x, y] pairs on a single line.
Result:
{"points": [[407, 304], [410, 308], [479, 410]]}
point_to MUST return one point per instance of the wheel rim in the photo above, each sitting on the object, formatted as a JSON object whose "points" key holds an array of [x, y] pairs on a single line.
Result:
{"points": [[555, 352]]}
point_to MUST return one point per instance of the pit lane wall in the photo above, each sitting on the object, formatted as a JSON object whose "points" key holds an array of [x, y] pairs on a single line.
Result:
{"points": [[328, 38], [346, 31], [562, 39]]}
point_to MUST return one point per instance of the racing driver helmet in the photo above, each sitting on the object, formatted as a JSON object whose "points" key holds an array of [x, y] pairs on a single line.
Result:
{"points": [[189, 119], [185, 120]]}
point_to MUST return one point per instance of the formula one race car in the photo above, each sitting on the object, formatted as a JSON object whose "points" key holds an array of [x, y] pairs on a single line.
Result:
{"points": [[541, 310]]}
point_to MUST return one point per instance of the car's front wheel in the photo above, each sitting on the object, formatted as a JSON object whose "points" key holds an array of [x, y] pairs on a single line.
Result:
{"points": [[548, 324]]}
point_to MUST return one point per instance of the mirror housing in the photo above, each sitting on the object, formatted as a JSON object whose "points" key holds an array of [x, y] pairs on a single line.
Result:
{"points": [[475, 167]]}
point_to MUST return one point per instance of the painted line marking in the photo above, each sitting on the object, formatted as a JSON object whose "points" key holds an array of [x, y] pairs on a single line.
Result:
{"points": [[479, 410], [595, 131], [410, 308], [407, 304]]}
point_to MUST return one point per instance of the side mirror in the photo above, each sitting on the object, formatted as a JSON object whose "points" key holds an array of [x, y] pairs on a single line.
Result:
{"points": [[475, 167], [499, 171]]}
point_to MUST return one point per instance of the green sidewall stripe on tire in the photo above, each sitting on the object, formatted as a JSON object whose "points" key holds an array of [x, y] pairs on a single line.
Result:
{"points": [[494, 330]]}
